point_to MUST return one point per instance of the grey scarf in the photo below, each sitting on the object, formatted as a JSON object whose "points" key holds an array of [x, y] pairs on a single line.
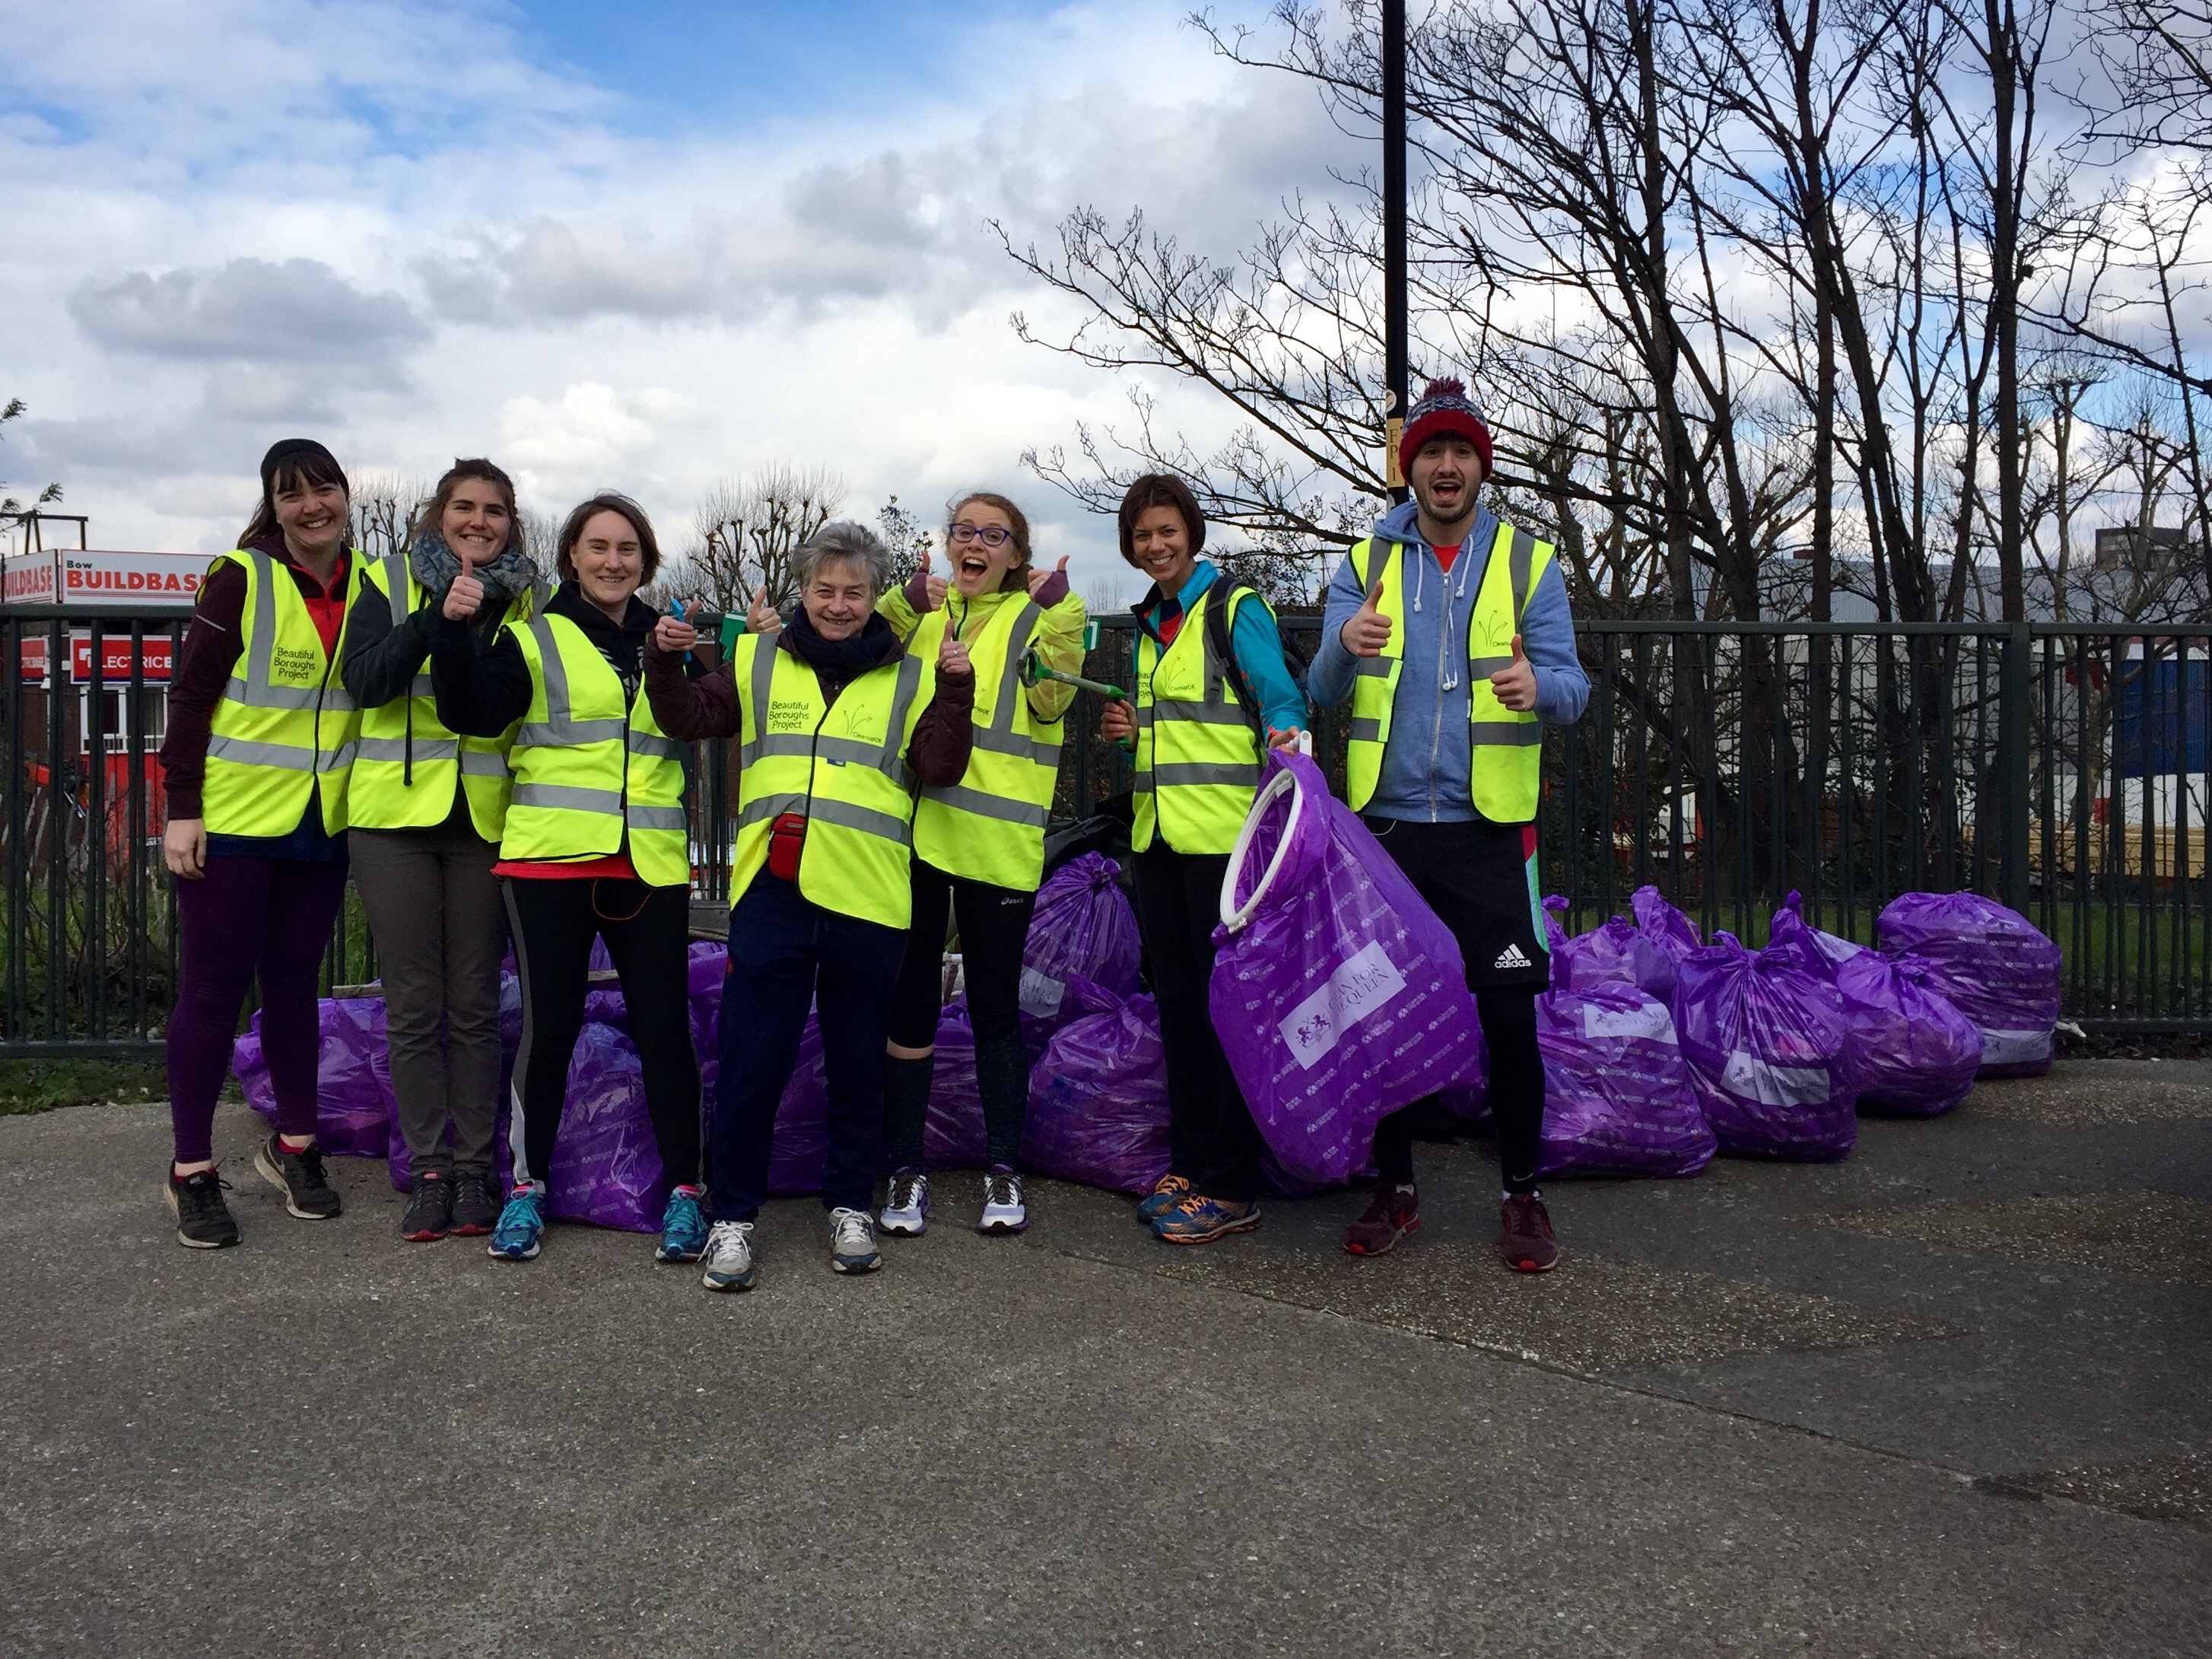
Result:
{"points": [[435, 565]]}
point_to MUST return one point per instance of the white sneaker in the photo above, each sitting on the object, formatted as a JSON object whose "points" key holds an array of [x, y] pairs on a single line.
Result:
{"points": [[728, 1257], [1003, 1209], [852, 1242], [906, 1205]]}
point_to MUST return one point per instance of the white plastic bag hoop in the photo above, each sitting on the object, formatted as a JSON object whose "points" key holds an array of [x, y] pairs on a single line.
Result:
{"points": [[1237, 919]]}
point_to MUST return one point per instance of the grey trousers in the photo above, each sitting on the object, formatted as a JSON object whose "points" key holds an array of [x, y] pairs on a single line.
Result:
{"points": [[434, 909]]}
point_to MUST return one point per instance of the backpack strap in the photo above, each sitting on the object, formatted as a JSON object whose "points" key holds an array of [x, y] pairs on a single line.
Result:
{"points": [[1220, 600]]}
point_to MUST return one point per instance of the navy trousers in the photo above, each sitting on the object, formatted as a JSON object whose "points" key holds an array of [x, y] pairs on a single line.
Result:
{"points": [[788, 954]]}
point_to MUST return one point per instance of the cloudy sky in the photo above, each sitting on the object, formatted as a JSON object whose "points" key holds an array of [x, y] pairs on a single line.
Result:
{"points": [[651, 245]]}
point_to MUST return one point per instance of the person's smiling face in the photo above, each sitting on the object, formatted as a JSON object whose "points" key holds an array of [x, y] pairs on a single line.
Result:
{"points": [[978, 568], [477, 521], [1160, 541]]}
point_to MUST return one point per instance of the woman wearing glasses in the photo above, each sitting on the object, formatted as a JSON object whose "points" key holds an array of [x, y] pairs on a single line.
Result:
{"points": [[979, 844]]}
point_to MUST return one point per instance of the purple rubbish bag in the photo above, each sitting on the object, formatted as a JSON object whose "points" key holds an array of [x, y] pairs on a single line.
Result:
{"points": [[1992, 964], [1673, 935], [1618, 1097], [606, 1165], [354, 1109], [1910, 1052], [799, 1149], [1764, 1034], [1082, 928], [1338, 995], [1098, 1101]]}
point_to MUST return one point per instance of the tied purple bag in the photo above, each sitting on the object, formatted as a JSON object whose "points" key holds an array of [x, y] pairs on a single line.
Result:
{"points": [[1083, 928], [1098, 1103], [1910, 1052], [1616, 1096], [1765, 1038], [354, 1110], [1338, 995], [1992, 964], [1668, 935]]}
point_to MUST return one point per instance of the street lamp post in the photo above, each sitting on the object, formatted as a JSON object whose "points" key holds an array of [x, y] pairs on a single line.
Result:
{"points": [[1393, 238]]}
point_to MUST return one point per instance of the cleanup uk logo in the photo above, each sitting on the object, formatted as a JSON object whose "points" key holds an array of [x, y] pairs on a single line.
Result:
{"points": [[1357, 989]]}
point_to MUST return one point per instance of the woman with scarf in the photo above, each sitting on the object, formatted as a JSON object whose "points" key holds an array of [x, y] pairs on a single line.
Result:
{"points": [[428, 807], [836, 727]]}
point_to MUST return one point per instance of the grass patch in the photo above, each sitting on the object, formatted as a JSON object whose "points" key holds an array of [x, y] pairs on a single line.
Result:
{"points": [[39, 1086]]}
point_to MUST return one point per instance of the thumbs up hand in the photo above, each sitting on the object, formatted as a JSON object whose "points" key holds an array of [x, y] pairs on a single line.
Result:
{"points": [[1369, 629], [1514, 684], [952, 658], [933, 584], [762, 617], [1038, 578], [465, 596]]}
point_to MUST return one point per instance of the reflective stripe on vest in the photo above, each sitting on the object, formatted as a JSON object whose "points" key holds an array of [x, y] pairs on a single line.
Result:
{"points": [[409, 763], [989, 827], [589, 772], [841, 765], [283, 730], [1506, 749], [1198, 755]]}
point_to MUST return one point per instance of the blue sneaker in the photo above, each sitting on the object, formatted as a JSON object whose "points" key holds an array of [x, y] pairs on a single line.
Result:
{"points": [[515, 1237], [1171, 1191], [1200, 1220], [682, 1227]]}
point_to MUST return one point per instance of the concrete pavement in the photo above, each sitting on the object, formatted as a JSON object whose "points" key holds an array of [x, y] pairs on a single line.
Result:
{"points": [[1947, 1398]]}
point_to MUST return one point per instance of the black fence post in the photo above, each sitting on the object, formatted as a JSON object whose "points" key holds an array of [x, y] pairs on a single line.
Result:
{"points": [[2012, 727]]}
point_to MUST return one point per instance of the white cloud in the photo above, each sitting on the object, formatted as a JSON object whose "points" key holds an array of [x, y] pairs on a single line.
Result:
{"points": [[374, 221]]}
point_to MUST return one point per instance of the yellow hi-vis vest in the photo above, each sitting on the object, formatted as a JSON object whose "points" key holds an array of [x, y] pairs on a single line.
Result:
{"points": [[1505, 768], [989, 826], [589, 767], [843, 765], [284, 729], [404, 764], [1198, 748]]}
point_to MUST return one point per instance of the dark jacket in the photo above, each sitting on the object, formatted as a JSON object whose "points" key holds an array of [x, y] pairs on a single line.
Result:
{"points": [[706, 708], [380, 660]]}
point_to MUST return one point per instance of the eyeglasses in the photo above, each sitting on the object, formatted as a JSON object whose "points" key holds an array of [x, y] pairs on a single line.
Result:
{"points": [[990, 535]]}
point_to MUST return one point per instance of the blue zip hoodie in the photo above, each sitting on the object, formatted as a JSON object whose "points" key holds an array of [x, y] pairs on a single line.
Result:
{"points": [[1426, 762], [1252, 637]]}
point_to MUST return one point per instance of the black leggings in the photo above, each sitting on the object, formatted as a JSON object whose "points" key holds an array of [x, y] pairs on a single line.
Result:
{"points": [[647, 931], [994, 930]]}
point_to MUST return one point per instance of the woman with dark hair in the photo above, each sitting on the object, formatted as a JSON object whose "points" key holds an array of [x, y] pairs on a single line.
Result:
{"points": [[427, 809], [1213, 688], [593, 846], [979, 843], [836, 725], [260, 739]]}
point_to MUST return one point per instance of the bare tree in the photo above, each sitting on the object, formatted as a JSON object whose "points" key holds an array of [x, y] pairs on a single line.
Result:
{"points": [[384, 504], [743, 533]]}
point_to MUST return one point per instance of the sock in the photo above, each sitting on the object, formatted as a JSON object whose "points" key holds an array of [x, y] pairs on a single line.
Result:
{"points": [[906, 1107], [1002, 1077], [1509, 1195], [295, 1143]]}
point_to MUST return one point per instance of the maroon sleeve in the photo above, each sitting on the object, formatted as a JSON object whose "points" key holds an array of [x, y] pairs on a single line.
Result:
{"points": [[945, 733], [212, 645], [689, 710]]}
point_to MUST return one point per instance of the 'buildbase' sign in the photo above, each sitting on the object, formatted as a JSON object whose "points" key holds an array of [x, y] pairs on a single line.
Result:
{"points": [[88, 576]]}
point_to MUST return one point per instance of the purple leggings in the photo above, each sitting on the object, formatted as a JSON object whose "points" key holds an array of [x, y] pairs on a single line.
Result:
{"points": [[247, 916]]}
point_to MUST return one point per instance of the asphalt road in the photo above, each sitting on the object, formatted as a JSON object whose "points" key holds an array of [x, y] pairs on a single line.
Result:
{"points": [[1948, 1398]]}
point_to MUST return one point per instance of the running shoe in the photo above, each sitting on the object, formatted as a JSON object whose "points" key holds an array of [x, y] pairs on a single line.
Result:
{"points": [[515, 1236], [203, 1220], [430, 1211], [299, 1175], [1200, 1220], [1524, 1234], [906, 1205], [1171, 1191], [1003, 1209], [1392, 1212], [682, 1227], [729, 1257], [475, 1207], [852, 1242]]}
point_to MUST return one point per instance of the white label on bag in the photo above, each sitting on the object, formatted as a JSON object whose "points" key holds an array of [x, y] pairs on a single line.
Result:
{"points": [[1355, 990], [1647, 1019], [1040, 994], [1748, 1077], [2014, 1047]]}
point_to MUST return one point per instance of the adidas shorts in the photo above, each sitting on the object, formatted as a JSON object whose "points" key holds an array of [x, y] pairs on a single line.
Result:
{"points": [[1480, 879]]}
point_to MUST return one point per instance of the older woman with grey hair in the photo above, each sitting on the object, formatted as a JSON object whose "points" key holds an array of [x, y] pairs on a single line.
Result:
{"points": [[837, 727]]}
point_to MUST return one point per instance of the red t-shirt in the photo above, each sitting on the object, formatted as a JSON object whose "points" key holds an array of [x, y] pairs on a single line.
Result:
{"points": [[1446, 555]]}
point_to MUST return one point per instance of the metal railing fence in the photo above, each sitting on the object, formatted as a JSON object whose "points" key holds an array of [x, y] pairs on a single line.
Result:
{"points": [[2060, 768]]}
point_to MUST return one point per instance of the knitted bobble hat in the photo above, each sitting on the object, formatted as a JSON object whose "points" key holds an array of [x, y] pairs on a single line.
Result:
{"points": [[1444, 407]]}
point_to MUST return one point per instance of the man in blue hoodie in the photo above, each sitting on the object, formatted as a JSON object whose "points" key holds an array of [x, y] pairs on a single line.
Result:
{"points": [[1451, 634]]}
